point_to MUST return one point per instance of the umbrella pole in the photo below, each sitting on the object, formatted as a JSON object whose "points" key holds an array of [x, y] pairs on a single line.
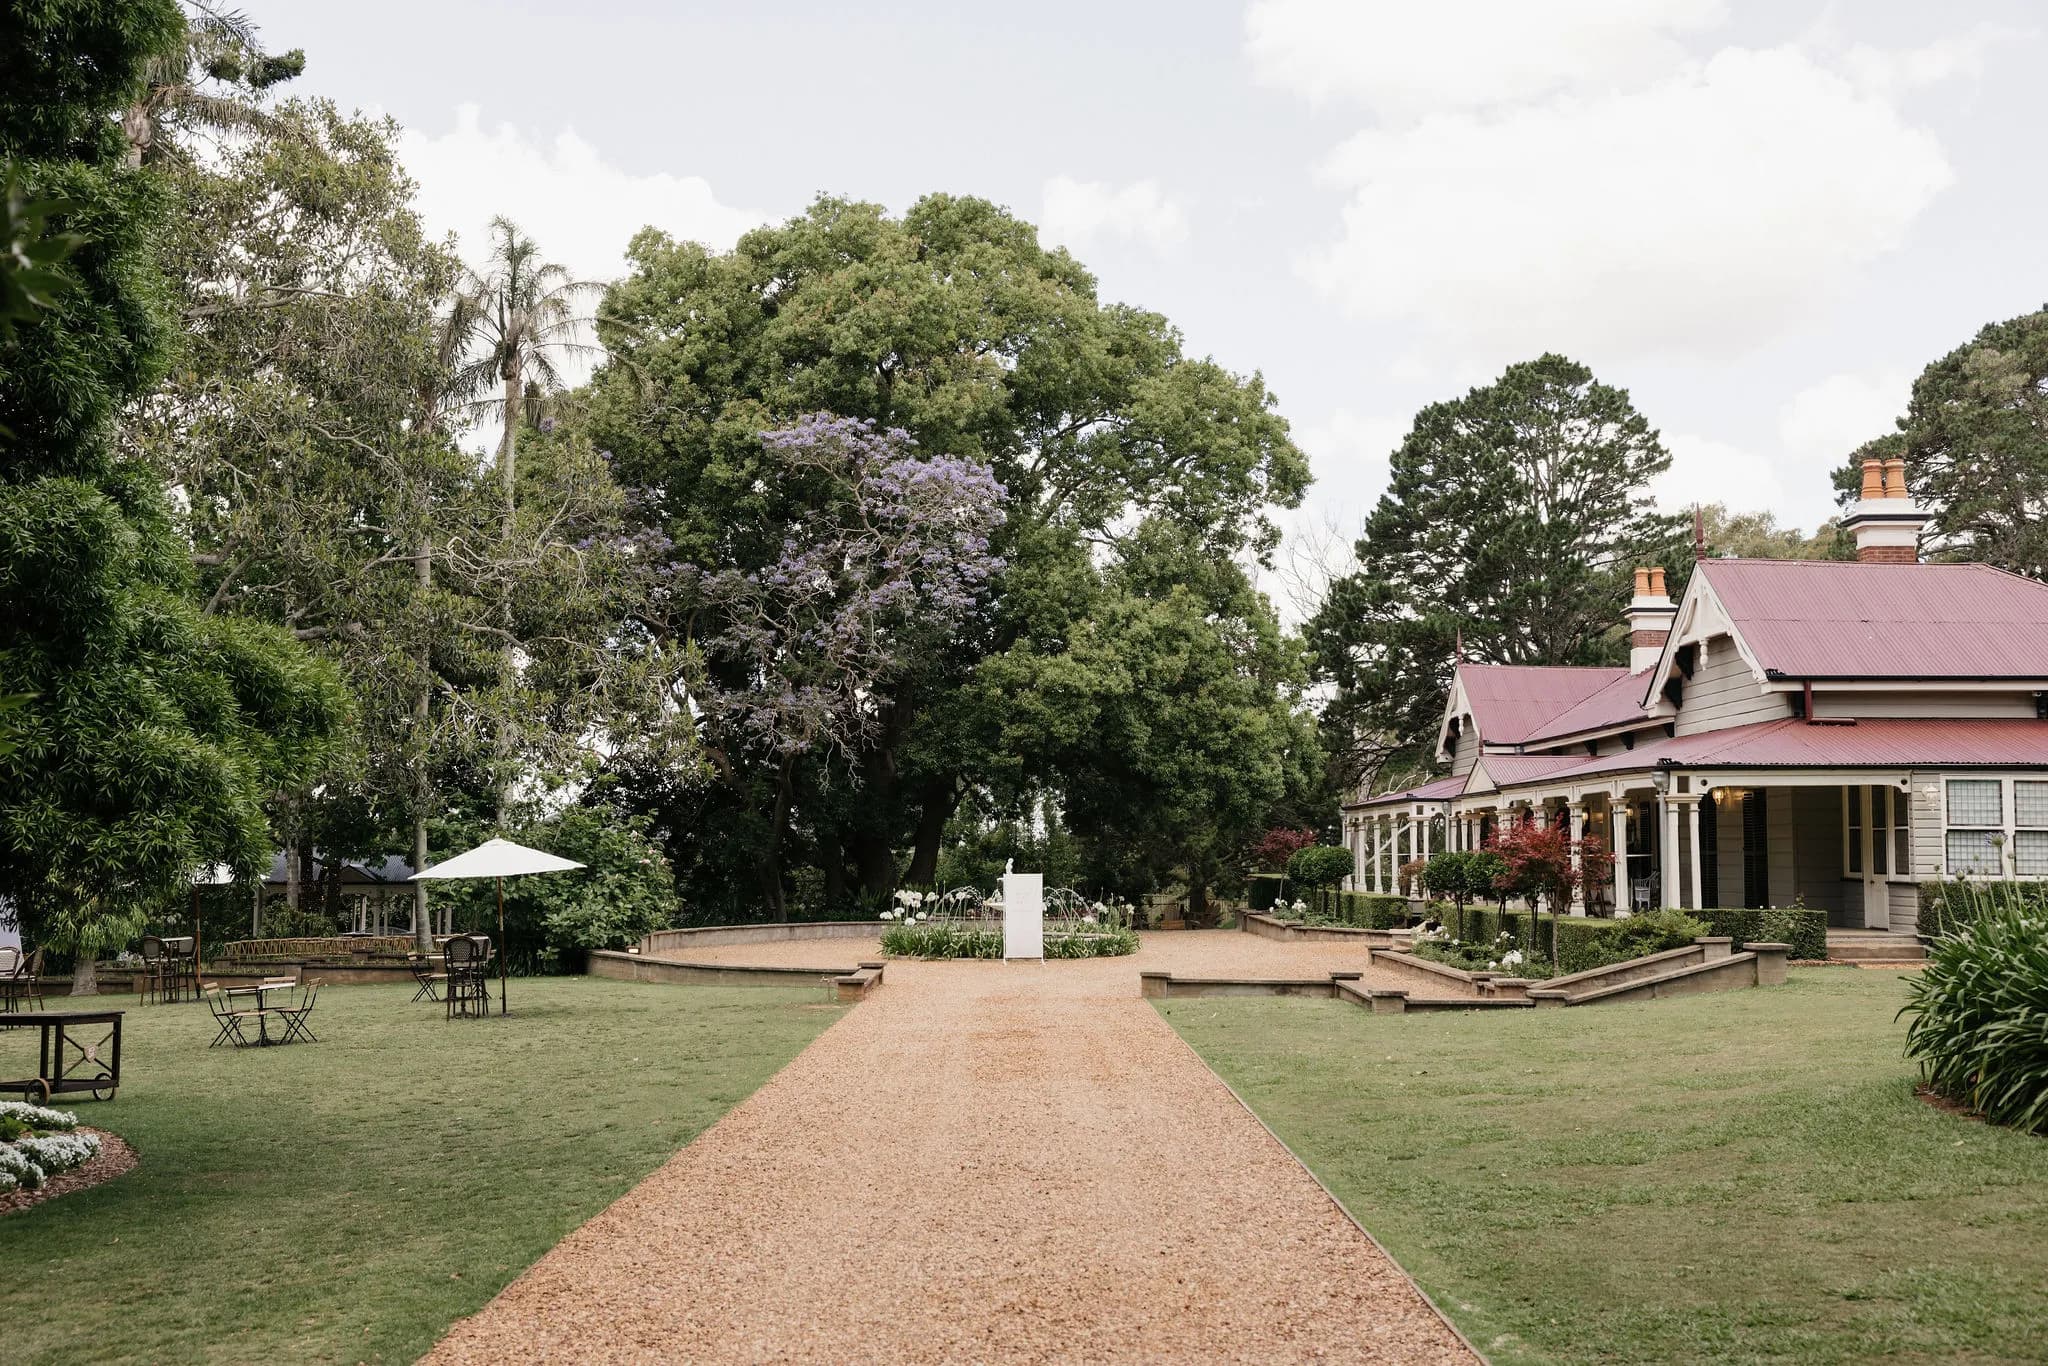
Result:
{"points": [[501, 946]]}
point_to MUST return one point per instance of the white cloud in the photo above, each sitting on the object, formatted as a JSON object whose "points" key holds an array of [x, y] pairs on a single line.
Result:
{"points": [[1825, 421], [1701, 215], [580, 209], [1704, 470], [1350, 455], [1889, 72], [1403, 59], [1080, 213]]}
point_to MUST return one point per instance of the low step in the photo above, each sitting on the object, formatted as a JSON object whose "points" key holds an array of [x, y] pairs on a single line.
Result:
{"points": [[1896, 949]]}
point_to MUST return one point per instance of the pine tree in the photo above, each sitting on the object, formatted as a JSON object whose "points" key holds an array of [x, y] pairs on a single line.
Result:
{"points": [[1514, 518]]}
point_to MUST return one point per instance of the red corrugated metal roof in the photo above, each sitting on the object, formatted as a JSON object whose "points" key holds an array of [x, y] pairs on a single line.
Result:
{"points": [[1513, 702], [1838, 619], [1793, 743], [1436, 790], [1620, 702]]}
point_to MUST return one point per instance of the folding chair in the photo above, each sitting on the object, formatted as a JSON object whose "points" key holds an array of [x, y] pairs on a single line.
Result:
{"points": [[459, 955], [294, 1017], [423, 973], [226, 1016]]}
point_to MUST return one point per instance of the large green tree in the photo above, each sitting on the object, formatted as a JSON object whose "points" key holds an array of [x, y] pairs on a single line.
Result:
{"points": [[1975, 441], [313, 425], [156, 731], [1513, 518], [953, 323]]}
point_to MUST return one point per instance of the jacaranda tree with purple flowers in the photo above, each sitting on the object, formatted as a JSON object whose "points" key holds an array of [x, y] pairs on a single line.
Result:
{"points": [[889, 557]]}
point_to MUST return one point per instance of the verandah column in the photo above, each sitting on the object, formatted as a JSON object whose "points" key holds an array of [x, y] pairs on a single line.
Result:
{"points": [[1574, 818], [1696, 895], [1617, 829], [1668, 855]]}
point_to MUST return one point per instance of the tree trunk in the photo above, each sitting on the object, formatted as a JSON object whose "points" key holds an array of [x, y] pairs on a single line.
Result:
{"points": [[769, 866], [85, 975], [940, 800], [507, 482], [292, 870], [422, 719], [832, 862], [1198, 903]]}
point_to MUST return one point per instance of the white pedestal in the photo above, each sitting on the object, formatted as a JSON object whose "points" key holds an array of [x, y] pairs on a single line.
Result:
{"points": [[1023, 915]]}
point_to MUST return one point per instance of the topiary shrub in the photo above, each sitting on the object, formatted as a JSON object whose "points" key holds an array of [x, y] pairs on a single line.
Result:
{"points": [[1321, 865], [1980, 1017]]}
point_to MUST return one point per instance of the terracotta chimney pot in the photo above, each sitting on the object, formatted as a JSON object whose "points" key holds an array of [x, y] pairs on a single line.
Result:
{"points": [[1895, 478], [1873, 479], [1642, 582], [1657, 589]]}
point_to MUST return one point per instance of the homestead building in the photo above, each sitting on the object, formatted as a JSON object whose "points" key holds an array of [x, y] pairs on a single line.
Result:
{"points": [[1818, 731]]}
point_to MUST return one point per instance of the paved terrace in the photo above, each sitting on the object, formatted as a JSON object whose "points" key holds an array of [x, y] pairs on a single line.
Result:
{"points": [[983, 1161]]}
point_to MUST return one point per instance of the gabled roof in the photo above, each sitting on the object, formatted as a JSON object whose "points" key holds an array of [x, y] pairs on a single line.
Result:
{"points": [[1836, 619], [1795, 743], [1514, 703], [1436, 790], [1617, 704]]}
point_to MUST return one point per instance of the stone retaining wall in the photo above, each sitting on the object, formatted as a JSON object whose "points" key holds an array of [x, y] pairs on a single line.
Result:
{"points": [[670, 942]]}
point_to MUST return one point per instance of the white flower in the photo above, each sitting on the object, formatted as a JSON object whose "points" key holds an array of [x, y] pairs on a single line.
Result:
{"points": [[930, 897], [923, 916]]}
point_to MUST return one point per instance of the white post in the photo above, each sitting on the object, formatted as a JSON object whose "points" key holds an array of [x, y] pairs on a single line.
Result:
{"points": [[1617, 829], [1668, 856], [1426, 821], [1023, 915], [1697, 898], [1574, 814]]}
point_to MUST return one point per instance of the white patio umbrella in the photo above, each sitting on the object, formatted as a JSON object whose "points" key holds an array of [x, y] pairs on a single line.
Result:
{"points": [[497, 860]]}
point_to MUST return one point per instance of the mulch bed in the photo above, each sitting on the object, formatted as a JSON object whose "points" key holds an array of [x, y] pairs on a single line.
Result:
{"points": [[115, 1159], [1945, 1105]]}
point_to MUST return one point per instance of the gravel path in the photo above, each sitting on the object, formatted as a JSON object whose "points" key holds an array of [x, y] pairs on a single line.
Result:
{"points": [[982, 1162]]}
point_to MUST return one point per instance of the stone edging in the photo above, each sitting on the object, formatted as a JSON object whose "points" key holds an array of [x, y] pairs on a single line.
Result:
{"points": [[1342, 1208]]}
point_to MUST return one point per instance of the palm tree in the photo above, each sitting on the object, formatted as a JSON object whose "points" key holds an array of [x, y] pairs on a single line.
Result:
{"points": [[220, 51], [524, 325]]}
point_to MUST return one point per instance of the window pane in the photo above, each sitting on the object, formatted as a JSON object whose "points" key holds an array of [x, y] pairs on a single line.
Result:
{"points": [[1880, 827], [2030, 853], [1975, 801], [2030, 804], [1973, 851]]}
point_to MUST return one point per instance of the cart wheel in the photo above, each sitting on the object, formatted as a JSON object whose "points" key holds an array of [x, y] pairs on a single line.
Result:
{"points": [[35, 1090], [103, 1089]]}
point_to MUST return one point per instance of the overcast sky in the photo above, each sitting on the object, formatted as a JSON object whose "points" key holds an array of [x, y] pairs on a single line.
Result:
{"points": [[1760, 218]]}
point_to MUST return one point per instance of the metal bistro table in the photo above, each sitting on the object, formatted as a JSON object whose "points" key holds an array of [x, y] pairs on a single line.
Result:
{"points": [[70, 1061], [263, 1012]]}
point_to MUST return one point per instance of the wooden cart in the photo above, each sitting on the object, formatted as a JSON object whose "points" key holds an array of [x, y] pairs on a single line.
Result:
{"points": [[81, 1052]]}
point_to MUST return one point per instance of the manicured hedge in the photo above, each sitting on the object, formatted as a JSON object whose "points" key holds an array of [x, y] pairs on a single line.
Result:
{"points": [[1364, 910], [1263, 889], [1805, 930], [1947, 907]]}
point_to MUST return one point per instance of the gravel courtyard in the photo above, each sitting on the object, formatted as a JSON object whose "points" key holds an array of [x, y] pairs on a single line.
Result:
{"points": [[983, 1161]]}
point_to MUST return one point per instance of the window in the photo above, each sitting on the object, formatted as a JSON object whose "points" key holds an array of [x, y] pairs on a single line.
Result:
{"points": [[1710, 851], [1902, 832], [1976, 826], [2030, 828]]}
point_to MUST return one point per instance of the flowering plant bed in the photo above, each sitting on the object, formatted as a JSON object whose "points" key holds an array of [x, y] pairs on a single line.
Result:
{"points": [[971, 939], [1502, 954], [37, 1143]]}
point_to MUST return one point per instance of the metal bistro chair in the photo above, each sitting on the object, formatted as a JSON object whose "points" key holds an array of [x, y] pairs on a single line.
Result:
{"points": [[181, 967], [465, 976], [423, 972], [226, 1016], [26, 985], [295, 1016], [1639, 893], [154, 966]]}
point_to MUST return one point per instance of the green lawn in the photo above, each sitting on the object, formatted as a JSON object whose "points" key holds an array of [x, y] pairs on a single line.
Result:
{"points": [[1731, 1178], [346, 1200]]}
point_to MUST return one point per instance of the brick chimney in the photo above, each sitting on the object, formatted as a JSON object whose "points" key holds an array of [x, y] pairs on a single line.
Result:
{"points": [[1884, 519], [1649, 619]]}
